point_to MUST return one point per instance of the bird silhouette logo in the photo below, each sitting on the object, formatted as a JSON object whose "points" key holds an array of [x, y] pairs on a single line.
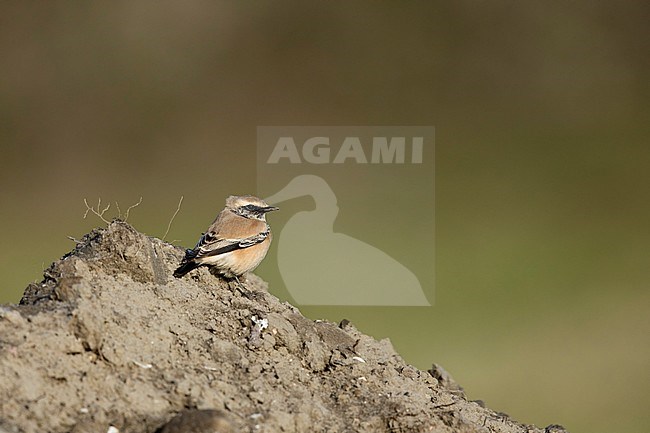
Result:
{"points": [[322, 267]]}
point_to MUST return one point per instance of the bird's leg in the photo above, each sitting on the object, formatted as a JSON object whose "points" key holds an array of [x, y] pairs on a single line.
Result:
{"points": [[242, 289]]}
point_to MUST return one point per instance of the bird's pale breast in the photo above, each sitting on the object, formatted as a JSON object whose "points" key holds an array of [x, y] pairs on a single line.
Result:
{"points": [[249, 258]]}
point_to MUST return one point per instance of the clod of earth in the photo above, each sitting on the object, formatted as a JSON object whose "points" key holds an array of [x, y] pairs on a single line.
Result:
{"points": [[110, 341]]}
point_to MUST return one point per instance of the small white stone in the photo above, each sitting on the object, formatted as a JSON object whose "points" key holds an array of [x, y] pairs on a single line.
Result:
{"points": [[141, 365]]}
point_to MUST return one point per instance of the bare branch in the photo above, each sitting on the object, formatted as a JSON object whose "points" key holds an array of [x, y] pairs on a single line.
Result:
{"points": [[96, 212], [119, 211], [104, 211], [173, 216]]}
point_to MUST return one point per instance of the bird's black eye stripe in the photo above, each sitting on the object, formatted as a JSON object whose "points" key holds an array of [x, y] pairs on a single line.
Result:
{"points": [[250, 207]]}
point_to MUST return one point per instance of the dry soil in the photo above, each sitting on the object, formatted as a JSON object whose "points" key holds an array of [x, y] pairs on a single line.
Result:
{"points": [[110, 341]]}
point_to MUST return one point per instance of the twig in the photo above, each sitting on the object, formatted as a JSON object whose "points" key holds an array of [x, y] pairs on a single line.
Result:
{"points": [[173, 216], [107, 207], [126, 215], [119, 211], [97, 212]]}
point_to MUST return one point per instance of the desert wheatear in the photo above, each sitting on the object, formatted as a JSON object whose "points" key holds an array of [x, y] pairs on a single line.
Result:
{"points": [[236, 242]]}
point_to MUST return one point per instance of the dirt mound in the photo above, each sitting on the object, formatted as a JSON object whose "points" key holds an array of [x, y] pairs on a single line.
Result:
{"points": [[110, 341]]}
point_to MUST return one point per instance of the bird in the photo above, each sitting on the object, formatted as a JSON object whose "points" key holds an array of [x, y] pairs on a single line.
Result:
{"points": [[236, 241]]}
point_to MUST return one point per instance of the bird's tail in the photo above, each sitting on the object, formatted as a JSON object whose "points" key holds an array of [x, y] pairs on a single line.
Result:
{"points": [[184, 268]]}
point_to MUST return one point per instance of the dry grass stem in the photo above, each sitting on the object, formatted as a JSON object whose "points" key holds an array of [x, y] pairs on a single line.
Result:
{"points": [[173, 216], [126, 215]]}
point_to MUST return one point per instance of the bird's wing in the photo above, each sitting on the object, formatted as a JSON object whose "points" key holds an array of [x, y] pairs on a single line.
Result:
{"points": [[229, 232], [210, 245]]}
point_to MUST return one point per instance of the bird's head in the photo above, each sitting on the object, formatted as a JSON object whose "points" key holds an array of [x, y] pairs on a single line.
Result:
{"points": [[249, 206]]}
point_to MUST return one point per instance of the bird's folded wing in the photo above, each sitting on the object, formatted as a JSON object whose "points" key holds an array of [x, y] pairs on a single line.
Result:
{"points": [[209, 245]]}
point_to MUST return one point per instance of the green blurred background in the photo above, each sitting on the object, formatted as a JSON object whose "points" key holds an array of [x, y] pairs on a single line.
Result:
{"points": [[542, 181]]}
